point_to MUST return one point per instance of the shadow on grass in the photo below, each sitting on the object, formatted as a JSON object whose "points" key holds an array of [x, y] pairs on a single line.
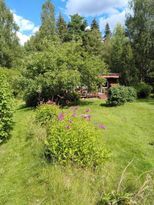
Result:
{"points": [[86, 103], [104, 104], [24, 108], [147, 100]]}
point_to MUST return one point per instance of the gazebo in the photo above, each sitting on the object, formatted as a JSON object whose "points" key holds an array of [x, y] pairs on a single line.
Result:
{"points": [[112, 80]]}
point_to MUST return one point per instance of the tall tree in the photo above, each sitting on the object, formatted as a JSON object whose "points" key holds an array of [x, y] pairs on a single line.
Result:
{"points": [[122, 60], [94, 25], [92, 40], [76, 27], [9, 44], [141, 33], [48, 26], [107, 31], [47, 32], [61, 28]]}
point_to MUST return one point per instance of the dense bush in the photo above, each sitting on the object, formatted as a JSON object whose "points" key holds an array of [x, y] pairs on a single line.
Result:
{"points": [[143, 90], [120, 95], [47, 114], [131, 94], [71, 138], [56, 73], [6, 109], [13, 76]]}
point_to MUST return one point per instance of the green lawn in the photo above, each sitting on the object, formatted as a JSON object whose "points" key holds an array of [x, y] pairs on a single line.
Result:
{"points": [[27, 179]]}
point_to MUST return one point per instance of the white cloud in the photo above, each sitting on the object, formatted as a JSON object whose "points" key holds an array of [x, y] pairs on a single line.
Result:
{"points": [[94, 7], [23, 38], [113, 20], [25, 25]]}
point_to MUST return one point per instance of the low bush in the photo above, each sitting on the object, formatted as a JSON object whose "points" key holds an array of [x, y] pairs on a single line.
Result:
{"points": [[32, 99], [12, 76], [47, 114], [143, 90], [6, 109], [131, 94], [71, 138], [120, 95]]}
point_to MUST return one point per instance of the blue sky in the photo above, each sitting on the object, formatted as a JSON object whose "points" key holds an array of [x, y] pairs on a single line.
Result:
{"points": [[27, 13]]}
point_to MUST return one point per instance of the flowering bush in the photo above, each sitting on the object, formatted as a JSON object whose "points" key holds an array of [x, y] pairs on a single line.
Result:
{"points": [[71, 138], [6, 109], [47, 113]]}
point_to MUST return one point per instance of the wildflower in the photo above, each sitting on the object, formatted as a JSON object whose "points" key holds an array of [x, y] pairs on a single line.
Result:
{"points": [[101, 126], [68, 127], [61, 117], [87, 117], [74, 114], [88, 110], [70, 121]]}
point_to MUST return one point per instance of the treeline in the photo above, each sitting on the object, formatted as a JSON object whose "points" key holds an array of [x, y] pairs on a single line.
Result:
{"points": [[71, 54]]}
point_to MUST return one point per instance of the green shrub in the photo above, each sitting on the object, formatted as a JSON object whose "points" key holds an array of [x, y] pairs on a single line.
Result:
{"points": [[6, 109], [70, 138], [31, 99], [69, 98], [143, 90], [120, 95], [131, 94], [116, 96], [75, 143], [47, 114], [13, 76]]}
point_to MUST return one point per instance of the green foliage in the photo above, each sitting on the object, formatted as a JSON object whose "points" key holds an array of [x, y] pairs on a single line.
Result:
{"points": [[116, 198], [95, 25], [139, 25], [76, 28], [122, 59], [107, 31], [92, 42], [13, 76], [9, 46], [48, 26], [62, 28], [143, 90], [55, 74], [74, 140], [6, 109], [120, 95], [131, 94], [47, 113]]}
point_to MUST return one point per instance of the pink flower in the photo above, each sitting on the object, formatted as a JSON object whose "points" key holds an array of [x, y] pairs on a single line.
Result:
{"points": [[101, 126], [61, 117], [88, 110], [87, 117], [74, 114], [68, 127]]}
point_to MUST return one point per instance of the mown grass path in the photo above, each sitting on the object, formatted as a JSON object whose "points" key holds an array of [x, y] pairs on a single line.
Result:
{"points": [[26, 179]]}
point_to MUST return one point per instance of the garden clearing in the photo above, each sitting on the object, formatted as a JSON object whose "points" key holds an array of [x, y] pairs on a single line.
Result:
{"points": [[27, 179]]}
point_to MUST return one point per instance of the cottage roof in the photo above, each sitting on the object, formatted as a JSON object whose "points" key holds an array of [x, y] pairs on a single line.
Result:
{"points": [[110, 75]]}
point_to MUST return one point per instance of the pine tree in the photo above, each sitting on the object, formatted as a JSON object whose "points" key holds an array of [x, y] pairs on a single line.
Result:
{"points": [[122, 59], [61, 28], [48, 26], [107, 31], [9, 44], [94, 25], [76, 28]]}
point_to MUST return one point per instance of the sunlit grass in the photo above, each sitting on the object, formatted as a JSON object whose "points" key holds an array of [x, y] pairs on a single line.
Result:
{"points": [[26, 178]]}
